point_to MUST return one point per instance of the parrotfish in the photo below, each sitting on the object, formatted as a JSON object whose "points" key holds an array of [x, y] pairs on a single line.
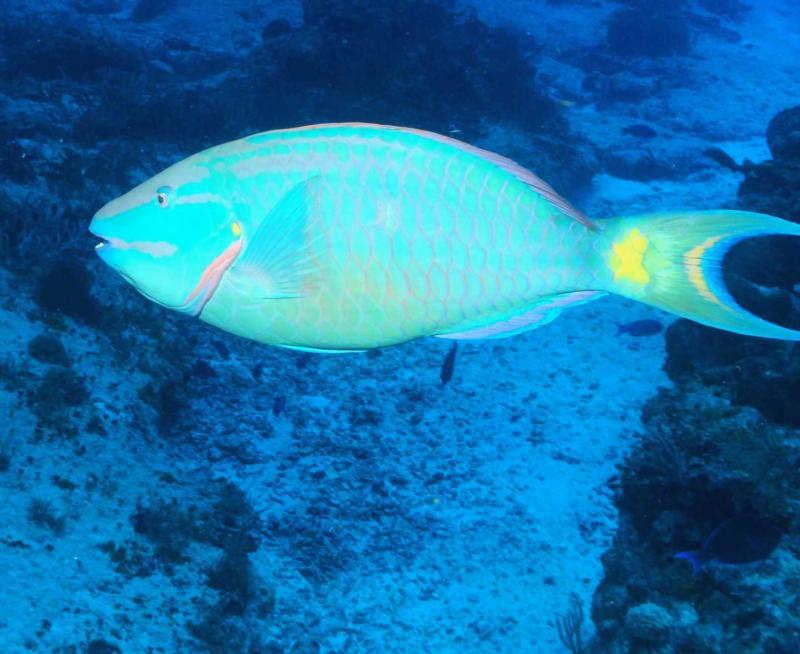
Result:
{"points": [[345, 237], [738, 540]]}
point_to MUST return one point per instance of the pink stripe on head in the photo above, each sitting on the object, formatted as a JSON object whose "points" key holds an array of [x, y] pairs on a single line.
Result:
{"points": [[154, 248]]}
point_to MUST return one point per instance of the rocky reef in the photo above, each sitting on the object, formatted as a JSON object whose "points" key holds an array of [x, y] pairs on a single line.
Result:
{"points": [[722, 443], [748, 371], [86, 97], [700, 462]]}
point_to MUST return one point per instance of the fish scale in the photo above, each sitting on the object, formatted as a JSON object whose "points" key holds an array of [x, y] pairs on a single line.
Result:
{"points": [[430, 257], [351, 236]]}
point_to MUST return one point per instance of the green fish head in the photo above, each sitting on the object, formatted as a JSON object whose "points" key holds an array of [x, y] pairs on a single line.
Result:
{"points": [[172, 237]]}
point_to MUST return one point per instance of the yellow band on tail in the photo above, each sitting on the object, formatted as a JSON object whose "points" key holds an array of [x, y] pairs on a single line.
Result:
{"points": [[674, 262]]}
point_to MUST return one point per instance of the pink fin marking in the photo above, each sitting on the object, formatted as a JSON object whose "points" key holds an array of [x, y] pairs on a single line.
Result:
{"points": [[523, 174], [540, 314], [210, 279]]}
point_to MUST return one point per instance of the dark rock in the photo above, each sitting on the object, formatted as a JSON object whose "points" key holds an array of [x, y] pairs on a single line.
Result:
{"points": [[458, 69], [276, 28], [15, 163], [100, 646], [48, 349], [755, 372], [66, 287], [772, 187], [61, 387], [147, 10], [641, 32], [637, 164], [52, 52], [783, 135], [617, 87]]}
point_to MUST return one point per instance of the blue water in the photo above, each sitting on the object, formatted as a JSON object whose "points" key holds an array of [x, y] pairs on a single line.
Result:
{"points": [[168, 487]]}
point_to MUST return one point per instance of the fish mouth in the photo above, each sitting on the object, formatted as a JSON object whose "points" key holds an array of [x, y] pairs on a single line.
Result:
{"points": [[105, 242]]}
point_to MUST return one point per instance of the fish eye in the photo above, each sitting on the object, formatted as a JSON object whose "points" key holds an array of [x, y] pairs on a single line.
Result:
{"points": [[163, 196]]}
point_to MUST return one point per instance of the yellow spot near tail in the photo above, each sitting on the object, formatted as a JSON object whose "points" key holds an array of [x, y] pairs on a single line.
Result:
{"points": [[236, 229], [693, 260], [626, 260]]}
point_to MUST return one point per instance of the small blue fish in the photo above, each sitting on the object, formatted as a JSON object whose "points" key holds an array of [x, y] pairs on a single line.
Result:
{"points": [[640, 131], [640, 328], [738, 540]]}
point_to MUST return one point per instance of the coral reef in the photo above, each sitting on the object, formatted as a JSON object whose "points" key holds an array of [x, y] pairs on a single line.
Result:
{"points": [[464, 76], [773, 186], [699, 462], [66, 287], [649, 30], [722, 443], [754, 372]]}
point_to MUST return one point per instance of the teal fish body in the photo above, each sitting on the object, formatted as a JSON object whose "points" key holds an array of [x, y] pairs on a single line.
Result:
{"points": [[353, 236]]}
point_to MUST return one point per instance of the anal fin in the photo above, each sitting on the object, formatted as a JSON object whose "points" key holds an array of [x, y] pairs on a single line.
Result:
{"points": [[545, 310]]}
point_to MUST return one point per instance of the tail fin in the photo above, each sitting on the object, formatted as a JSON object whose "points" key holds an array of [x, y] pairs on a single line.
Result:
{"points": [[674, 262], [697, 558]]}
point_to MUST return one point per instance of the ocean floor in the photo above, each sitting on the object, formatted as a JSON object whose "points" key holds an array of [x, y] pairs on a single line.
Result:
{"points": [[447, 519], [395, 515]]}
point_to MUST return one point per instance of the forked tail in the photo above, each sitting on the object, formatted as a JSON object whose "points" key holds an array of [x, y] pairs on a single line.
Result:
{"points": [[674, 262]]}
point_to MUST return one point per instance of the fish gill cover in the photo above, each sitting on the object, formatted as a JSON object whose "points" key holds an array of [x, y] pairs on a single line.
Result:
{"points": [[165, 486]]}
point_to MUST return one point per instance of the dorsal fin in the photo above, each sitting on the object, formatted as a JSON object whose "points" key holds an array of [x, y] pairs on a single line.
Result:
{"points": [[523, 174]]}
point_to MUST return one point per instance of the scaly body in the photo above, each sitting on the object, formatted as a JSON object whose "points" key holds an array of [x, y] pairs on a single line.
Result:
{"points": [[409, 237], [345, 237]]}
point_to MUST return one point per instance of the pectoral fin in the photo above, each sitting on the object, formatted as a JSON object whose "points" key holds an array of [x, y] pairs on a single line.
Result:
{"points": [[277, 262]]}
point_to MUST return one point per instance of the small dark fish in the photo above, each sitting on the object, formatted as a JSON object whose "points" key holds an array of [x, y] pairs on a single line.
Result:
{"points": [[727, 161], [738, 540], [640, 328], [449, 363], [278, 405], [221, 348], [256, 370], [640, 131]]}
